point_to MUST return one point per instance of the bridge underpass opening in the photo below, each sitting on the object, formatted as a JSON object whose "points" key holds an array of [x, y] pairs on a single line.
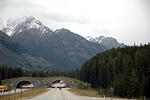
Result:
{"points": [[24, 84], [58, 84]]}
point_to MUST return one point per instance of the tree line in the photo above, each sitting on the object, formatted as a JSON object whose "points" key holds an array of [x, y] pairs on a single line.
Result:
{"points": [[126, 70], [7, 72]]}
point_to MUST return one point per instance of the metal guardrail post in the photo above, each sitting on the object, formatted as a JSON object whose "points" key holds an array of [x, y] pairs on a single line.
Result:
{"points": [[144, 97], [9, 95], [15, 94], [1, 93], [21, 94]]}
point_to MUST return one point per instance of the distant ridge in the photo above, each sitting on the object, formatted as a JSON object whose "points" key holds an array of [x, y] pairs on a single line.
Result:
{"points": [[108, 42]]}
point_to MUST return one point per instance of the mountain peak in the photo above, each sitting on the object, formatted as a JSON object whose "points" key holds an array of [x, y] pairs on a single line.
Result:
{"points": [[62, 30], [24, 23], [108, 42]]}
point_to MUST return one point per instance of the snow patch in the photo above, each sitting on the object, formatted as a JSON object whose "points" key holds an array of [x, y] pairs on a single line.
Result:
{"points": [[24, 23], [97, 39]]}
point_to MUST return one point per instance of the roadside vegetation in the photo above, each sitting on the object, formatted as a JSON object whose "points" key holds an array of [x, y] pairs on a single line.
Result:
{"points": [[95, 93], [24, 95], [85, 92]]}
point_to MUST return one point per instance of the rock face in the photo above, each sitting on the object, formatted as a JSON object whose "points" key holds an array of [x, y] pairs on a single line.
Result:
{"points": [[47, 50], [10, 52], [108, 42], [69, 49], [13, 54]]}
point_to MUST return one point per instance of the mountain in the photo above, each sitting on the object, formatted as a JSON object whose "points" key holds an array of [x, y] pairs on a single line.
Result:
{"points": [[13, 54], [108, 42], [69, 49], [23, 24], [62, 49], [10, 52], [27, 31]]}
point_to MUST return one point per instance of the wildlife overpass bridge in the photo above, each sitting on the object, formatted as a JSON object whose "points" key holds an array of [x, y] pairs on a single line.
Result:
{"points": [[45, 83]]}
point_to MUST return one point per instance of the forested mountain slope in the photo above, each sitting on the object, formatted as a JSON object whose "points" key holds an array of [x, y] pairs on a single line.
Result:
{"points": [[127, 70]]}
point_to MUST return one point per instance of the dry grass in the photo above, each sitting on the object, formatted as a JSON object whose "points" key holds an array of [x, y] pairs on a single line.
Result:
{"points": [[93, 93], [85, 92], [25, 94]]}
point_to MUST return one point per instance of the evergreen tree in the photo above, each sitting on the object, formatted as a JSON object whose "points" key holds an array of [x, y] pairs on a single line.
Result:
{"points": [[127, 70]]}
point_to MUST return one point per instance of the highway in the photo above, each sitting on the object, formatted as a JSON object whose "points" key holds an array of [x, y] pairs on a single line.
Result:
{"points": [[63, 94]]}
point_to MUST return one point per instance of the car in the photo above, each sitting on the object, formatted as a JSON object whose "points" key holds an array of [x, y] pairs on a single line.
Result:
{"points": [[60, 88], [4, 88]]}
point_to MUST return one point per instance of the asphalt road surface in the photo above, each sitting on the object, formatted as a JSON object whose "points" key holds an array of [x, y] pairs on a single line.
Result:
{"points": [[63, 94]]}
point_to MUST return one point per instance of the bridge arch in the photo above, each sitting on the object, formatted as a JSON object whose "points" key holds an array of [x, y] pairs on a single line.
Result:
{"points": [[15, 83], [67, 81]]}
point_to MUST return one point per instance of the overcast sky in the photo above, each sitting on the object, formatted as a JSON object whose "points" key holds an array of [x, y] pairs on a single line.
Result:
{"points": [[126, 20]]}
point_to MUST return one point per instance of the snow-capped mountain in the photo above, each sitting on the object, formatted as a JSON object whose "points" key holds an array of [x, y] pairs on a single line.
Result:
{"points": [[28, 32], [25, 23], [97, 39], [61, 48], [108, 42], [57, 49]]}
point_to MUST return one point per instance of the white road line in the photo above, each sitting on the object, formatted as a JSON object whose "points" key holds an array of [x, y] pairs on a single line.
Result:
{"points": [[63, 95], [55, 95], [69, 97]]}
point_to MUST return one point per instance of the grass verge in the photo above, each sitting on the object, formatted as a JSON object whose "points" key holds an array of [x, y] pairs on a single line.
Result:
{"points": [[85, 92], [94, 93], [25, 94]]}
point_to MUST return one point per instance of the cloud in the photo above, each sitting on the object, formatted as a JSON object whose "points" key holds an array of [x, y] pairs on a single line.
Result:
{"points": [[63, 18], [126, 20]]}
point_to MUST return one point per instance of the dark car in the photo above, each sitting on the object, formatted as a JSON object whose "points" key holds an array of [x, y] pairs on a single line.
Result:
{"points": [[60, 88]]}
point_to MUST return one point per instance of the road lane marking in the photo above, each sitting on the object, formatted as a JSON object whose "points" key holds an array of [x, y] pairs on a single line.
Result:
{"points": [[55, 95], [63, 95], [69, 97]]}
